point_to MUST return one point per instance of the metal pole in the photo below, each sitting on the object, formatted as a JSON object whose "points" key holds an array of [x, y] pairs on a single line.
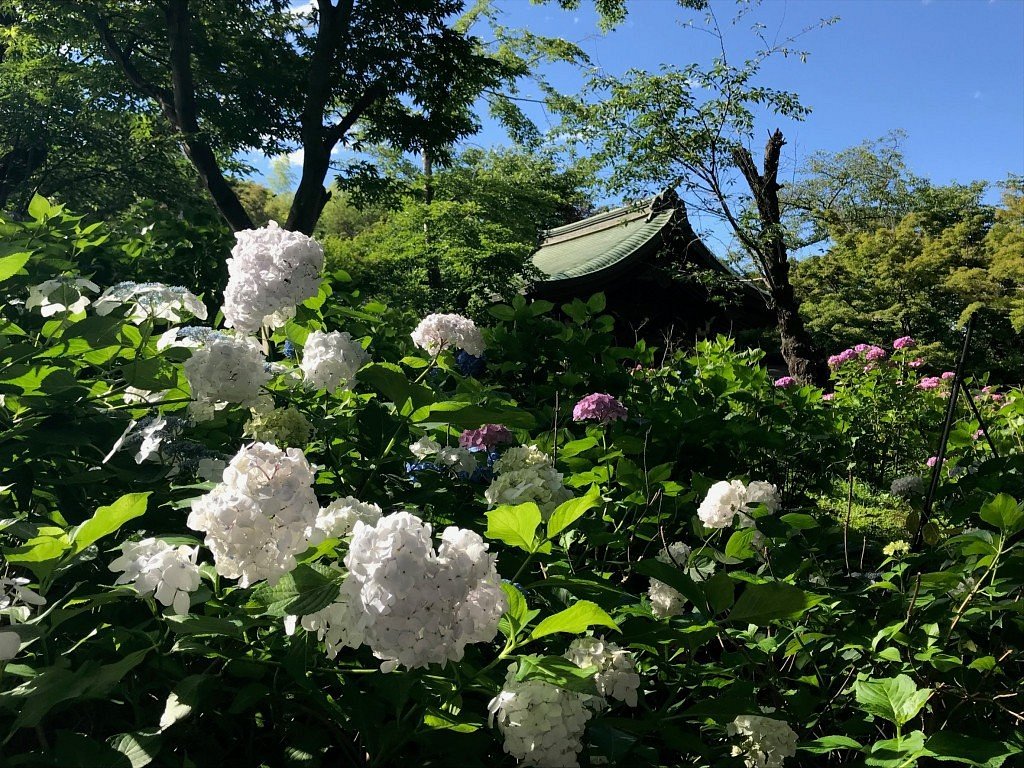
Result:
{"points": [[980, 418], [958, 377]]}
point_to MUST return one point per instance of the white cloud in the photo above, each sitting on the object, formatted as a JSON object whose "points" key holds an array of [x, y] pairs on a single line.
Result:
{"points": [[296, 157]]}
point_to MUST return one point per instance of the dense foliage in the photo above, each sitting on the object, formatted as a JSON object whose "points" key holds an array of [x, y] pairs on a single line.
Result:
{"points": [[632, 567]]}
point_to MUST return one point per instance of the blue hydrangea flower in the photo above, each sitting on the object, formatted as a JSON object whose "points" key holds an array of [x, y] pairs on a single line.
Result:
{"points": [[289, 349], [470, 365]]}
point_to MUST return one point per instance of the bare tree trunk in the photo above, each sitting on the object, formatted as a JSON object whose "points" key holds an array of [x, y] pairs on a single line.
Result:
{"points": [[805, 361]]}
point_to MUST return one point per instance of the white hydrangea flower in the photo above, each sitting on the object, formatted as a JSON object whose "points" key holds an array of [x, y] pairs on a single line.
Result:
{"points": [[14, 591], [10, 644], [424, 447], [225, 369], [258, 518], [330, 360], [438, 332], [159, 569], [270, 272], [459, 460], [410, 604], [211, 469], [726, 499], [526, 473], [339, 518], [133, 395], [765, 742], [616, 677], [542, 725], [155, 301], [760, 492], [152, 435], [59, 295], [666, 601]]}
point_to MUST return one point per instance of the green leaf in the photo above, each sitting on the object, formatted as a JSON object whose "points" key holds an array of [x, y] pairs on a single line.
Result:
{"points": [[957, 748], [307, 589], [109, 519], [181, 700], [502, 312], [391, 381], [576, 447], [762, 603], [720, 591], [463, 415], [1004, 513], [140, 747], [74, 750], [516, 526], [897, 753], [896, 699], [204, 625], [740, 544], [569, 512], [557, 670], [574, 620], [518, 614], [830, 744], [13, 264], [39, 207]]}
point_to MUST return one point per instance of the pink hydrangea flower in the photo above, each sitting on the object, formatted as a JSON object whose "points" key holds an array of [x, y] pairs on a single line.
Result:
{"points": [[932, 461], [486, 437], [843, 357], [917, 362], [874, 353], [861, 348], [904, 342], [929, 382], [978, 434], [785, 382], [946, 375], [829, 396], [600, 407]]}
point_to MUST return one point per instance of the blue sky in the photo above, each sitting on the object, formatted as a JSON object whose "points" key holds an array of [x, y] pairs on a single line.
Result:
{"points": [[948, 72]]}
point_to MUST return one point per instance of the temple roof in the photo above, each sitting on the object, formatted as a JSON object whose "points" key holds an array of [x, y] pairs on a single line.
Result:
{"points": [[590, 253]]}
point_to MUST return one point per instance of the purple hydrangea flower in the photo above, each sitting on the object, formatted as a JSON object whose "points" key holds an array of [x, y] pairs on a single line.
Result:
{"points": [[904, 342], [487, 437], [843, 357], [917, 362], [861, 348], [932, 461], [947, 375], [600, 407], [785, 382], [874, 353], [929, 382]]}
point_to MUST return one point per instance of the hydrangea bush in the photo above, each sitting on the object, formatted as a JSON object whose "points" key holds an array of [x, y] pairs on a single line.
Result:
{"points": [[318, 538]]}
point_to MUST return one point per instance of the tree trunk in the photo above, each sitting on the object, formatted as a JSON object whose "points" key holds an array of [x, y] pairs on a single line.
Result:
{"points": [[805, 361]]}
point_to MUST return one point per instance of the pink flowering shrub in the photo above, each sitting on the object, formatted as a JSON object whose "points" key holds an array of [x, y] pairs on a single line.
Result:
{"points": [[487, 437]]}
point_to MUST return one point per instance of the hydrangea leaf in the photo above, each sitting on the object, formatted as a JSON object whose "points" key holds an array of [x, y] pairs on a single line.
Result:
{"points": [[897, 753], [108, 520], [896, 699], [1004, 513], [574, 620], [557, 670], [516, 526], [958, 748], [307, 589], [12, 264], [761, 603], [569, 512], [830, 744]]}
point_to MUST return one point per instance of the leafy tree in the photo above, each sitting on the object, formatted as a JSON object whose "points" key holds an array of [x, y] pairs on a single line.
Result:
{"points": [[692, 127], [68, 133], [227, 77], [948, 256], [472, 240]]}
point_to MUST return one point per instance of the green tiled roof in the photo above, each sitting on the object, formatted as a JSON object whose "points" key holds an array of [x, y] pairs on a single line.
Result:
{"points": [[598, 243]]}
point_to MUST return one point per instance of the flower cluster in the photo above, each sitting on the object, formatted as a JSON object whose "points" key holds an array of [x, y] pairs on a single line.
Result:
{"points": [[869, 352], [526, 473], [225, 369], [270, 272], [727, 499], [599, 407], [159, 569], [785, 382], [459, 460], [470, 365], [280, 426], [764, 743], [907, 486], [330, 360], [339, 518], [154, 301], [438, 332], [60, 295], [666, 601], [413, 605], [542, 725], [260, 515], [15, 601], [616, 676], [904, 342], [486, 438]]}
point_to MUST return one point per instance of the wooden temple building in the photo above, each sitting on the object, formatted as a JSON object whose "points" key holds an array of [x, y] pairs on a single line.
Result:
{"points": [[658, 276]]}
